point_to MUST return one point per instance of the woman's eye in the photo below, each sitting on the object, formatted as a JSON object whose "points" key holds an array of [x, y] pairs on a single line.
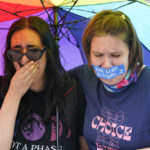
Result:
{"points": [[98, 55], [115, 56], [16, 49]]}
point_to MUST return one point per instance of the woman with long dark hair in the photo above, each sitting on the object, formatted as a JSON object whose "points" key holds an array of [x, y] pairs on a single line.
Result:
{"points": [[41, 106]]}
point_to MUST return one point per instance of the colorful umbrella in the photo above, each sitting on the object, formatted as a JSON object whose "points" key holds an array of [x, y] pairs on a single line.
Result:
{"points": [[68, 18]]}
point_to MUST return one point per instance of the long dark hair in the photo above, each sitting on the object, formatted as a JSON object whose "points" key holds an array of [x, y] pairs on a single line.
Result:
{"points": [[56, 76]]}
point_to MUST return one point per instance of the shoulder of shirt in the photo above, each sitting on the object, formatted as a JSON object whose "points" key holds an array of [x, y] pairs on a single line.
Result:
{"points": [[80, 68], [147, 68], [146, 71], [82, 72], [144, 78]]}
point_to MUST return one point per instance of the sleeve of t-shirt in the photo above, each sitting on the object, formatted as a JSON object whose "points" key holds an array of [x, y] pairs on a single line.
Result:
{"points": [[76, 72]]}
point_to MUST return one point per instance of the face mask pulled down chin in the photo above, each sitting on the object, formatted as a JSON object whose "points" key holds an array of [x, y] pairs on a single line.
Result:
{"points": [[109, 73]]}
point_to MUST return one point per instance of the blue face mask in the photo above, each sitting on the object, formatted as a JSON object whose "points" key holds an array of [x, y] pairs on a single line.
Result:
{"points": [[109, 73]]}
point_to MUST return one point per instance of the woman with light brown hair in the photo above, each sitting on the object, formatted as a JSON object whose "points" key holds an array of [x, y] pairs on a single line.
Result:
{"points": [[116, 84]]}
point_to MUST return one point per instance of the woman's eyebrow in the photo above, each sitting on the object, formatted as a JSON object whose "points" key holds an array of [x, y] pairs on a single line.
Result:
{"points": [[95, 51], [30, 45], [27, 46], [16, 46], [116, 52]]}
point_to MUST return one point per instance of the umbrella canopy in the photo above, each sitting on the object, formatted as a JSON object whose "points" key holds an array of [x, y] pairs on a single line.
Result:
{"points": [[68, 18]]}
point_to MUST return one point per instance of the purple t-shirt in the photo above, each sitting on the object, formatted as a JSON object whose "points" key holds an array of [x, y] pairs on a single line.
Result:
{"points": [[115, 121]]}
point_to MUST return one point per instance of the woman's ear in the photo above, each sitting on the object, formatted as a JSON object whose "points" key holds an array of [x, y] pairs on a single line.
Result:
{"points": [[90, 62]]}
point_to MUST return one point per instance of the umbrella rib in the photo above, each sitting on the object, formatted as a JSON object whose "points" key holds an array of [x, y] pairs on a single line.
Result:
{"points": [[67, 12], [49, 17], [41, 13], [73, 22], [66, 35], [28, 10], [16, 13], [124, 5], [62, 19], [63, 35], [4, 28], [62, 4], [69, 2], [69, 28], [11, 13], [84, 10]]}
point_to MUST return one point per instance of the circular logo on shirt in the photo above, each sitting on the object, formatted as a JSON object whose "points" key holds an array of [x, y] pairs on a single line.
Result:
{"points": [[33, 128]]}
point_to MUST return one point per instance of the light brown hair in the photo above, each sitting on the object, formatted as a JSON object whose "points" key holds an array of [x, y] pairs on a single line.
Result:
{"points": [[114, 23]]}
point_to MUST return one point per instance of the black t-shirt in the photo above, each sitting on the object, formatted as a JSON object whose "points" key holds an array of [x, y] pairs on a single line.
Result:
{"points": [[34, 134]]}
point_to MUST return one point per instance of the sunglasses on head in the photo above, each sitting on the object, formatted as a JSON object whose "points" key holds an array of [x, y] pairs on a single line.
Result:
{"points": [[32, 54]]}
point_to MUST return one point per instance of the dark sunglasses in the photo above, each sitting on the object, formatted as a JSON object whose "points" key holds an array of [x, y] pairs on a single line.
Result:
{"points": [[32, 54]]}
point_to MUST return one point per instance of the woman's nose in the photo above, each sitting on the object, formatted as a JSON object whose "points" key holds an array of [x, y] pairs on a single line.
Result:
{"points": [[24, 59], [106, 63]]}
